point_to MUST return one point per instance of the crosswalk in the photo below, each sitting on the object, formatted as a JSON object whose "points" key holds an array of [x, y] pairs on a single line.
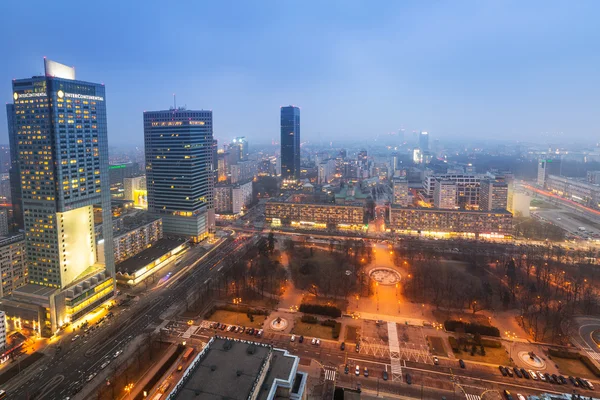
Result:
{"points": [[593, 354], [472, 396], [330, 374]]}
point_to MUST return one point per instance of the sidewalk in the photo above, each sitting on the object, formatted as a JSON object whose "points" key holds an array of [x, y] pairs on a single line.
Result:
{"points": [[138, 386]]}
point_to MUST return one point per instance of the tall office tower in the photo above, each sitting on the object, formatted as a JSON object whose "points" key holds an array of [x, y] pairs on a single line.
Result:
{"points": [[240, 146], [400, 191], [15, 177], [60, 126], [424, 141], [290, 142], [547, 167], [444, 195], [179, 170], [493, 195], [3, 222]]}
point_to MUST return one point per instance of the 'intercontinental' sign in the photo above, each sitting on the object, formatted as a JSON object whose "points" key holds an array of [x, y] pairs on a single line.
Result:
{"points": [[62, 94], [17, 96]]}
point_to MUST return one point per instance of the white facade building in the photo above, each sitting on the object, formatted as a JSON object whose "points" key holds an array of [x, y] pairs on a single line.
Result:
{"points": [[444, 195], [400, 191]]}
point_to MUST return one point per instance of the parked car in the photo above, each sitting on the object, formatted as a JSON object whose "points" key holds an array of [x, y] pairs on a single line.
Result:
{"points": [[461, 363], [301, 339], [533, 375], [408, 379], [313, 341], [346, 369], [366, 372], [318, 342], [436, 361], [562, 380], [521, 397], [555, 378], [357, 371], [525, 373], [293, 338], [517, 373], [343, 346], [507, 395], [259, 333], [588, 384], [357, 347], [541, 376], [574, 381], [502, 370], [385, 375], [509, 372]]}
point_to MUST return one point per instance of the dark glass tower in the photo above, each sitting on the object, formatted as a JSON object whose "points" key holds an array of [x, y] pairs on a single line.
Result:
{"points": [[13, 172], [179, 170], [290, 142]]}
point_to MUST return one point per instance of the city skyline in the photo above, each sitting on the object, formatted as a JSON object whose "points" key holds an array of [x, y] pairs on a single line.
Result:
{"points": [[469, 70]]}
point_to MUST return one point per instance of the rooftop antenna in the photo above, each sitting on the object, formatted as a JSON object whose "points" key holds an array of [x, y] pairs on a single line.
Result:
{"points": [[174, 101]]}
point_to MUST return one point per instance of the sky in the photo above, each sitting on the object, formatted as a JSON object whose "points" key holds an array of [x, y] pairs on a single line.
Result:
{"points": [[516, 70]]}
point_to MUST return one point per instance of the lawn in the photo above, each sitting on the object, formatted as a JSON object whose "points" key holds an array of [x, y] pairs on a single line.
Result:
{"points": [[442, 315], [312, 330], [492, 356], [572, 367], [351, 334], [437, 346], [236, 318]]}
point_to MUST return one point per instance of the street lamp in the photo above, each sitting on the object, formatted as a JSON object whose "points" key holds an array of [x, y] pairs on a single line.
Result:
{"points": [[128, 388]]}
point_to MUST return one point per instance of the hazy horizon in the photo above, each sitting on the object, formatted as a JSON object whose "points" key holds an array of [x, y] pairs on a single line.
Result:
{"points": [[503, 70]]}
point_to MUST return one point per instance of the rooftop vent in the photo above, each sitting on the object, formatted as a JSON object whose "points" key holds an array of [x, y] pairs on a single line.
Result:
{"points": [[227, 345], [251, 349], [238, 372], [213, 368]]}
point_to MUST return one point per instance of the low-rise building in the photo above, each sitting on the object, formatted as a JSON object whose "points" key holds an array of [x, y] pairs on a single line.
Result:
{"points": [[135, 190], [13, 265], [139, 267], [299, 212], [241, 369], [493, 195], [439, 222]]}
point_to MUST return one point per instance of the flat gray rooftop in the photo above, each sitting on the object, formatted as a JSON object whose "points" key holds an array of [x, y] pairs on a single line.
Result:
{"points": [[225, 373]]}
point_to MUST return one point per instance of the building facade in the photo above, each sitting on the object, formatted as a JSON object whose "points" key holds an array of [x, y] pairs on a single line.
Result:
{"points": [[233, 198], [576, 190], [14, 174], [135, 190], [467, 187], [13, 263], [444, 195], [493, 195], [243, 171], [3, 222], [465, 223], [290, 142], [400, 191], [137, 239], [424, 141], [61, 131], [179, 170], [308, 215]]}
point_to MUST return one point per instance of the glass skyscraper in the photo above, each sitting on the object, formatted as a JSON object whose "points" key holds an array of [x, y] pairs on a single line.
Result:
{"points": [[59, 125], [179, 170], [290, 142], [13, 172]]}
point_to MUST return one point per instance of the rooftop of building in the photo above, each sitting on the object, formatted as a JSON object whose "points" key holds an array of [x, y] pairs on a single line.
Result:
{"points": [[231, 369], [444, 210], [135, 220], [158, 249]]}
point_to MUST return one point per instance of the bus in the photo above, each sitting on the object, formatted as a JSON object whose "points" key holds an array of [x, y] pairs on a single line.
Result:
{"points": [[188, 353], [3, 394]]}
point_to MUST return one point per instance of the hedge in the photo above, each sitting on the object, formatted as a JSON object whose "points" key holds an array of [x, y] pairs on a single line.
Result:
{"points": [[454, 344], [309, 319], [590, 364], [329, 311], [329, 322], [453, 326], [494, 344], [563, 354], [336, 330]]}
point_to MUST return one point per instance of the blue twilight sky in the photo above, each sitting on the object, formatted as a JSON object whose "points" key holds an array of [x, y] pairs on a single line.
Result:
{"points": [[498, 69]]}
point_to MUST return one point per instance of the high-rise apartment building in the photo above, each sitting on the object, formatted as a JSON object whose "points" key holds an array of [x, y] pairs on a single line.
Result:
{"points": [[424, 141], [290, 142], [61, 133], [14, 174], [179, 170], [444, 195], [135, 189], [400, 191], [3, 222], [493, 195]]}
